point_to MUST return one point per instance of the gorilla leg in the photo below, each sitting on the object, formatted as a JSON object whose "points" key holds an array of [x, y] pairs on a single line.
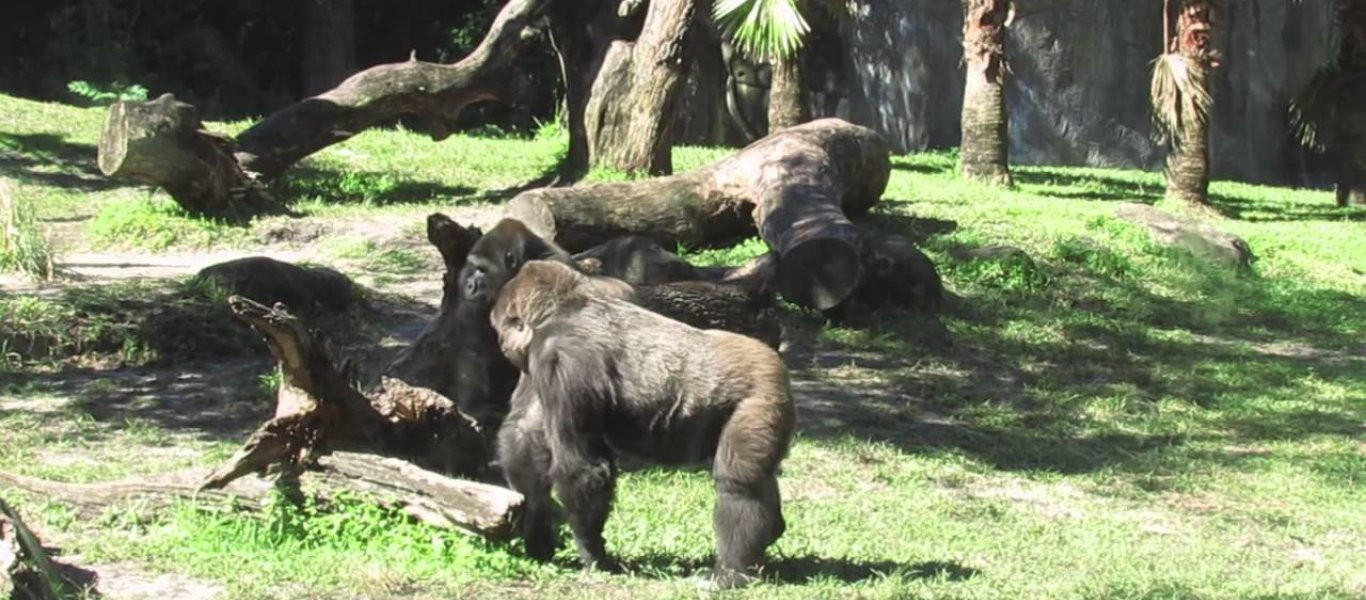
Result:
{"points": [[748, 515], [525, 459], [585, 480]]}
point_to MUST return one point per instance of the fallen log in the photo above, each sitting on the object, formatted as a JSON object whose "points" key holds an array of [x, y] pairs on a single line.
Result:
{"points": [[796, 187], [478, 508], [412, 414], [162, 142]]}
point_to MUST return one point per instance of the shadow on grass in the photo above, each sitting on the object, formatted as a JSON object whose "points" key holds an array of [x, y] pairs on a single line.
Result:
{"points": [[179, 359], [808, 569], [1019, 383], [48, 159], [798, 570], [1285, 210], [336, 186], [1085, 186]]}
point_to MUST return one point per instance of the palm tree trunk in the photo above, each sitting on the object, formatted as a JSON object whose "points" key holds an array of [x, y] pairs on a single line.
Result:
{"points": [[985, 146], [786, 94], [1188, 162]]}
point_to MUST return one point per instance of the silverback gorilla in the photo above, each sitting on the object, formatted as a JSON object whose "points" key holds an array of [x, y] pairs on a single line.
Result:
{"points": [[484, 380], [604, 378]]}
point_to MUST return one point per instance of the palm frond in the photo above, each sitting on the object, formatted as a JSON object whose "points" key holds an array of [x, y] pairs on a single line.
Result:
{"points": [[1314, 111], [762, 29], [1179, 97]]}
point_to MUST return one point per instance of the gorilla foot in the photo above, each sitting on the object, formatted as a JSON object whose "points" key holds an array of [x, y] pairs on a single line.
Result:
{"points": [[725, 579]]}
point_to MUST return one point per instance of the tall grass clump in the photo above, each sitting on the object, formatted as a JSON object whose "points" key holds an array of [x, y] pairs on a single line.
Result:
{"points": [[23, 248]]}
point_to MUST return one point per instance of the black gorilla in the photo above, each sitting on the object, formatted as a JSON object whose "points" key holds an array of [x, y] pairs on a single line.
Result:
{"points": [[605, 378], [484, 379]]}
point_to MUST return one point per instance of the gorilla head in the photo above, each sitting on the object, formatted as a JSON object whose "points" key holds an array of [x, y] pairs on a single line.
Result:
{"points": [[497, 256]]}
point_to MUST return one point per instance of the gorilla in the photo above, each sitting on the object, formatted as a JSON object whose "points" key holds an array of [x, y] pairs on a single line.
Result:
{"points": [[605, 379], [484, 380]]}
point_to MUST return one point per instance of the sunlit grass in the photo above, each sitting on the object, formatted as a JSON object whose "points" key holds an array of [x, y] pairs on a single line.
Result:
{"points": [[1095, 416]]}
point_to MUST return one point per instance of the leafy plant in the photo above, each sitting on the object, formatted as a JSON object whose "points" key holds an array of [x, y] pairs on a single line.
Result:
{"points": [[105, 95], [1179, 96]]}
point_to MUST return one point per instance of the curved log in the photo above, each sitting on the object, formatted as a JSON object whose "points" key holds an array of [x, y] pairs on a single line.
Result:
{"points": [[479, 508], [163, 143], [797, 187], [433, 91]]}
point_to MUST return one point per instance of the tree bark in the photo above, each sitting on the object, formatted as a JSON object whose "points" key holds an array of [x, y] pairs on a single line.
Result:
{"points": [[797, 188], [787, 104], [1188, 162], [985, 147], [629, 116]]}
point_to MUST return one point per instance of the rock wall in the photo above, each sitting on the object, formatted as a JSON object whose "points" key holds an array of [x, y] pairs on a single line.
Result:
{"points": [[1078, 95]]}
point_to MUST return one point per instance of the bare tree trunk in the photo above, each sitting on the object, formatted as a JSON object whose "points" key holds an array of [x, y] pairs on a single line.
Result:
{"points": [[1188, 162], [329, 44], [787, 94], [630, 112], [1351, 145], [985, 146]]}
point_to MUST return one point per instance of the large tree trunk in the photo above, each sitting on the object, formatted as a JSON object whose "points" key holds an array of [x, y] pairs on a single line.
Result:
{"points": [[630, 112], [161, 142], [787, 104], [580, 53], [1351, 143], [1188, 162], [329, 44], [985, 145], [796, 187]]}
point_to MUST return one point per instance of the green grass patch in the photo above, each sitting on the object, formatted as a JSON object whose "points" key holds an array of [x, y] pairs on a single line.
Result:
{"points": [[158, 224], [1094, 416], [346, 544]]}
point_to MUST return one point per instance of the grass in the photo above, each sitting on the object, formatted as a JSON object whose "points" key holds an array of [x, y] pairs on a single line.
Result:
{"points": [[23, 248], [1093, 417]]}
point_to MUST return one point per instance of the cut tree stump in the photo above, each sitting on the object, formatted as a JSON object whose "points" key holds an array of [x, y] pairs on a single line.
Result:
{"points": [[482, 509], [797, 188], [162, 142]]}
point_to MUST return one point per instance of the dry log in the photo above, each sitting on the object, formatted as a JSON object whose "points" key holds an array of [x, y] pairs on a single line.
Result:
{"points": [[797, 187], [26, 570], [162, 142], [318, 411], [896, 274], [427, 362], [487, 510]]}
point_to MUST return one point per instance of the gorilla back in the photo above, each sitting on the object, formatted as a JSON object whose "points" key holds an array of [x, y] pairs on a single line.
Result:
{"points": [[603, 377]]}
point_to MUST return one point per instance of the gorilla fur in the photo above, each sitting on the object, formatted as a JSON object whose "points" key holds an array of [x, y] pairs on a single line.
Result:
{"points": [[604, 378], [484, 380]]}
